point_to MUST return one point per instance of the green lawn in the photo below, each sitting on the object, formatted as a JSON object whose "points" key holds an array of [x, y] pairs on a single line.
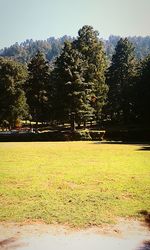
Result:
{"points": [[75, 183]]}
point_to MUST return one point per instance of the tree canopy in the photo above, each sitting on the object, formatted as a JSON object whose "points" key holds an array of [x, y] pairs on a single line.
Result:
{"points": [[37, 87], [121, 79], [79, 86], [12, 96]]}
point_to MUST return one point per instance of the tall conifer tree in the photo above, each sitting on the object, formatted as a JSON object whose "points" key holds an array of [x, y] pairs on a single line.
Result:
{"points": [[73, 93], [121, 78], [38, 87], [91, 48], [143, 90], [13, 104]]}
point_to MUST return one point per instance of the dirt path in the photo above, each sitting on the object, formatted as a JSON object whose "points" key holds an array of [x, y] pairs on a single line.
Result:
{"points": [[126, 235]]}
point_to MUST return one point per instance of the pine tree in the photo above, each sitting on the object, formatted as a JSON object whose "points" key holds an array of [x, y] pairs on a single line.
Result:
{"points": [[13, 104], [121, 77], [143, 90], [73, 93], [91, 48], [38, 88]]}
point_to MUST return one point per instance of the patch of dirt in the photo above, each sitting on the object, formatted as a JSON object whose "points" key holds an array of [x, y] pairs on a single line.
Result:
{"points": [[125, 235]]}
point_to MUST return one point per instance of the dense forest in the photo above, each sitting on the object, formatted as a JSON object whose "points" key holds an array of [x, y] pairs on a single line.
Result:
{"points": [[141, 45], [23, 52], [81, 86], [52, 47]]}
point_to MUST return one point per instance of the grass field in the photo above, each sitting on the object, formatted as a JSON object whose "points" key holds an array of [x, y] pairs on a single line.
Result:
{"points": [[74, 183]]}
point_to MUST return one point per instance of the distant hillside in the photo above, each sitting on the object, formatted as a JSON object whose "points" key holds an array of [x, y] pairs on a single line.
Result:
{"points": [[26, 50], [52, 47], [141, 44]]}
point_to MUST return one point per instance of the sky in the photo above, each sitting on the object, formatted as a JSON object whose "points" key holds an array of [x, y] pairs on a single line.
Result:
{"points": [[40, 19]]}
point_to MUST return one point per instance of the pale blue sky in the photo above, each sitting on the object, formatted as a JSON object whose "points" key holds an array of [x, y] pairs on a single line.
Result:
{"points": [[40, 19]]}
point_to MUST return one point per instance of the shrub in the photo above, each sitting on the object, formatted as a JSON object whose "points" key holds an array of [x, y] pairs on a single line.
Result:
{"points": [[82, 135], [97, 135]]}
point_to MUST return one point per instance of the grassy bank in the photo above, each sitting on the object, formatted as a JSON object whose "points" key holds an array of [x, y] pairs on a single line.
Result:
{"points": [[75, 183]]}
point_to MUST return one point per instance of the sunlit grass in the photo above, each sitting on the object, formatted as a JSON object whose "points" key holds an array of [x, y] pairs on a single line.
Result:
{"points": [[75, 183]]}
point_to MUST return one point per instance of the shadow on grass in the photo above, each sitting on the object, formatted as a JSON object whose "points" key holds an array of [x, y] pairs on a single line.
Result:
{"points": [[145, 145], [145, 246], [146, 216], [145, 148], [10, 243]]}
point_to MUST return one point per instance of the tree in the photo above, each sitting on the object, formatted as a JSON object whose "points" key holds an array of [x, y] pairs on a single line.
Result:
{"points": [[143, 90], [12, 96], [73, 93], [121, 78], [37, 88], [91, 48]]}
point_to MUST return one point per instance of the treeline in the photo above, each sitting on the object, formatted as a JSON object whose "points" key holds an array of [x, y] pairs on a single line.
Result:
{"points": [[23, 52], [141, 45], [79, 87], [52, 48]]}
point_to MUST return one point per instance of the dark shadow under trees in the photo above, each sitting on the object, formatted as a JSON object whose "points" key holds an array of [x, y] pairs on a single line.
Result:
{"points": [[145, 148]]}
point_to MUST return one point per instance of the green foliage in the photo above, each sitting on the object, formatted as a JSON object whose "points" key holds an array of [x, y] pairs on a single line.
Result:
{"points": [[12, 96], [73, 87], [121, 77], [37, 86], [141, 44], [97, 135], [25, 51], [52, 48], [88, 135], [143, 90], [81, 135], [91, 48], [80, 79], [73, 93]]}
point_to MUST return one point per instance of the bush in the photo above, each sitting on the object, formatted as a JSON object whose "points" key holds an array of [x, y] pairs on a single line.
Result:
{"points": [[97, 135], [83, 135]]}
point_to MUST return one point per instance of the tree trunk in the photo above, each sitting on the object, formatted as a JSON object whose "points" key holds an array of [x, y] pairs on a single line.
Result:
{"points": [[79, 125], [72, 122], [72, 125]]}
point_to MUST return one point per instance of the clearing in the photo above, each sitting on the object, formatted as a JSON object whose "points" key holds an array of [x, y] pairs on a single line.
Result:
{"points": [[79, 184], [81, 189]]}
